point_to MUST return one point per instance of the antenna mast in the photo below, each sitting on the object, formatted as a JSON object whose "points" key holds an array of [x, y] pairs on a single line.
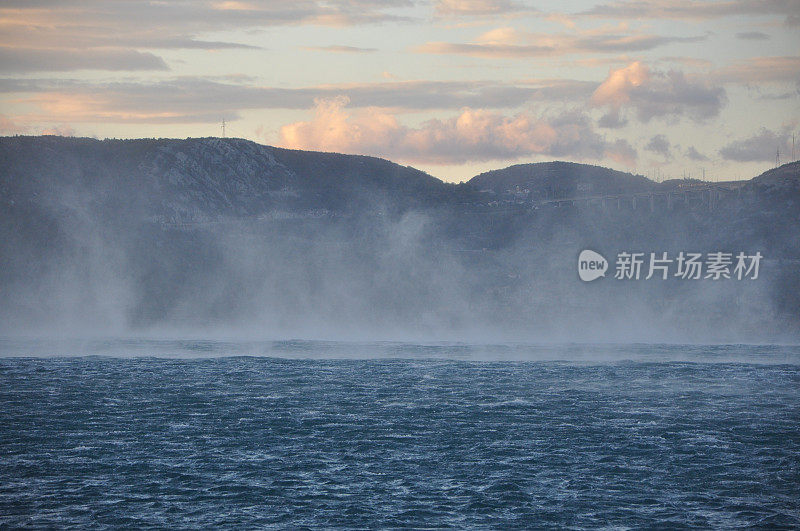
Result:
{"points": [[778, 157], [223, 128]]}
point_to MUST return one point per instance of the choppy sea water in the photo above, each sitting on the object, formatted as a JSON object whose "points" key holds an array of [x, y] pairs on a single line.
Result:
{"points": [[186, 434]]}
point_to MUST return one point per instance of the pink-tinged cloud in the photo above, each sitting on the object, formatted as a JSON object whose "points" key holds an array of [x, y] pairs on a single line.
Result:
{"points": [[622, 152], [616, 89], [188, 99], [459, 8], [510, 43], [760, 70], [337, 48], [9, 126], [652, 94], [59, 130], [472, 135]]}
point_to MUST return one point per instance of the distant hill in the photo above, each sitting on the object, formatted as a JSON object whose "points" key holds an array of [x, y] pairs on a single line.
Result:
{"points": [[785, 178], [549, 180], [201, 179], [103, 236]]}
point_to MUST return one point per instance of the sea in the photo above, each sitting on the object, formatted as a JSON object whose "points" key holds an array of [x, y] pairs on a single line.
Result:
{"points": [[188, 434]]}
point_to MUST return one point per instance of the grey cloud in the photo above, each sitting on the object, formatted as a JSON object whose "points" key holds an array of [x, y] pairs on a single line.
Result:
{"points": [[672, 94], [578, 138], [191, 17], [622, 152], [660, 145], [761, 70], [624, 43], [781, 96], [693, 154], [42, 60], [752, 36], [114, 36], [612, 120], [189, 98], [103, 35], [692, 9], [757, 148]]}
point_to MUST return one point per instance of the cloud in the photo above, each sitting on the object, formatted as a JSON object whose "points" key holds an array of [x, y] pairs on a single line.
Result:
{"points": [[197, 99], [460, 8], [660, 145], [752, 36], [619, 84], [131, 17], [102, 35], [8, 126], [622, 152], [59, 130], [691, 9], [612, 120], [33, 60], [693, 154], [759, 70], [472, 135], [39, 32], [335, 48], [759, 147], [512, 43], [658, 94], [793, 95], [693, 62]]}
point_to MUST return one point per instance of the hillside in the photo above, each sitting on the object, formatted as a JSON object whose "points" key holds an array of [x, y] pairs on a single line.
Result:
{"points": [[201, 179], [783, 179], [553, 180], [114, 236]]}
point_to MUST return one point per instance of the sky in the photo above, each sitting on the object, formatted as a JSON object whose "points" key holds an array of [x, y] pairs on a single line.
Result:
{"points": [[665, 88]]}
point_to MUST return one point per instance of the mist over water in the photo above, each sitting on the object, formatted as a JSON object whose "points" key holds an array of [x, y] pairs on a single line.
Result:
{"points": [[578, 353], [208, 238], [225, 238], [372, 278]]}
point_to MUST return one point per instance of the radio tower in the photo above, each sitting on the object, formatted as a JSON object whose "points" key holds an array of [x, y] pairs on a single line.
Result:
{"points": [[778, 157], [223, 128]]}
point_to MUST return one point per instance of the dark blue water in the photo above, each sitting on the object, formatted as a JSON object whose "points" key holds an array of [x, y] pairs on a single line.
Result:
{"points": [[412, 436]]}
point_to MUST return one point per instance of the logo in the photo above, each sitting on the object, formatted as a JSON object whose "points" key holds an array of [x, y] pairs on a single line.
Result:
{"points": [[663, 266], [591, 265]]}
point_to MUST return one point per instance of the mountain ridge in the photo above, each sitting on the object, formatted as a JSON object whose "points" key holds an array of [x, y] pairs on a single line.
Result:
{"points": [[136, 234], [197, 179], [537, 169]]}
